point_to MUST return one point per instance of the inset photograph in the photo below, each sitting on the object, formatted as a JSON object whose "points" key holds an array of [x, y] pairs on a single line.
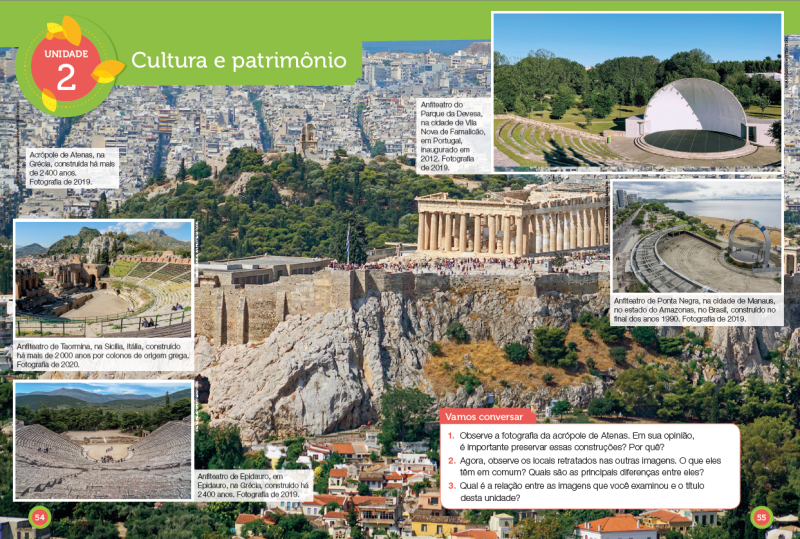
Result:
{"points": [[103, 278], [693, 236], [671, 92], [102, 440]]}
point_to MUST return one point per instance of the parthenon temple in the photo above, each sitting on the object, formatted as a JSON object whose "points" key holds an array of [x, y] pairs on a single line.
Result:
{"points": [[514, 223]]}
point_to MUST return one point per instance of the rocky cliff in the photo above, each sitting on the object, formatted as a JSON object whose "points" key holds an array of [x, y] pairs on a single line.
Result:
{"points": [[321, 373]]}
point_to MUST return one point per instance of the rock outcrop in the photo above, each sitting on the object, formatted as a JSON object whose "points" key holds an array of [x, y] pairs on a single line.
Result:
{"points": [[321, 373]]}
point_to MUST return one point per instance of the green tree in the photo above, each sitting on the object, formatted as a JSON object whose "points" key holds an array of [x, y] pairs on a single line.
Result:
{"points": [[516, 352], [181, 174], [549, 344], [607, 332], [560, 408], [761, 102], [528, 528], [404, 412], [101, 210], [776, 134], [644, 334], [600, 407], [618, 354], [357, 235], [200, 170]]}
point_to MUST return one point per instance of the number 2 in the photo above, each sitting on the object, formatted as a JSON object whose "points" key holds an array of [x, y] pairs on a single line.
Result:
{"points": [[65, 79]]}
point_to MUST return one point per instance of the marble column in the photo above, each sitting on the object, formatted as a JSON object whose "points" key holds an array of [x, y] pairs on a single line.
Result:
{"points": [[462, 232], [420, 231], [526, 235], [586, 228], [478, 233], [506, 235], [553, 236], [560, 231], [440, 241], [492, 233], [537, 221], [448, 232], [519, 249], [604, 220], [546, 233], [593, 237], [573, 231], [434, 232]]}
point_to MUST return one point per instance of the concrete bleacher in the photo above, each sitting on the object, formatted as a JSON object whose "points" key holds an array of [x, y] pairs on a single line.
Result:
{"points": [[533, 144], [158, 466]]}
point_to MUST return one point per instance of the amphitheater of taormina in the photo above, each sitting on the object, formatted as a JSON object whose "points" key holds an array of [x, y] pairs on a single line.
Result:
{"points": [[513, 223]]}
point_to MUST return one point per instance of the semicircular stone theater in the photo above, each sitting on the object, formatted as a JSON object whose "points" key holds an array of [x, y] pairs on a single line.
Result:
{"points": [[526, 222]]}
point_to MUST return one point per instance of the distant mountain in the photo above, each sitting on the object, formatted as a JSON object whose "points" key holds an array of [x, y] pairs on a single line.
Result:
{"points": [[78, 244], [30, 250], [160, 240], [37, 399], [87, 396], [480, 47]]}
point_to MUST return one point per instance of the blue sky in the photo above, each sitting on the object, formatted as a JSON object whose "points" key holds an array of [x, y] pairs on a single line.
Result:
{"points": [[154, 389], [593, 38], [46, 233], [699, 190]]}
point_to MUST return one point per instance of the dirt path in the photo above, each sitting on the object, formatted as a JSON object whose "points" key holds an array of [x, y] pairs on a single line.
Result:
{"points": [[99, 451], [102, 304]]}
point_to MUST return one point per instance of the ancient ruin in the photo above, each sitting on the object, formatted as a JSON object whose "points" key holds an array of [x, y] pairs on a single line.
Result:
{"points": [[51, 467], [514, 223]]}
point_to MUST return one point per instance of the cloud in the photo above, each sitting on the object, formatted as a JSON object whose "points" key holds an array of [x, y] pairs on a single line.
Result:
{"points": [[170, 225], [698, 190], [127, 227]]}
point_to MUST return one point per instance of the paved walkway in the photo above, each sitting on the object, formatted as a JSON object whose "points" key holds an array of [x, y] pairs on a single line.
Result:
{"points": [[625, 147]]}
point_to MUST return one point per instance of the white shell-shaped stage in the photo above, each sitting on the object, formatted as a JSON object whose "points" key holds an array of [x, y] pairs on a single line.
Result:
{"points": [[697, 104]]}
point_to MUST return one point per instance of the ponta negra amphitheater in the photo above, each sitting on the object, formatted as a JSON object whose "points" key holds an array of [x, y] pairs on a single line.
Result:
{"points": [[53, 467]]}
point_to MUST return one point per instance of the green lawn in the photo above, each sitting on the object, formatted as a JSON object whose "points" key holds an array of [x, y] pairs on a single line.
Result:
{"points": [[773, 111], [573, 119]]}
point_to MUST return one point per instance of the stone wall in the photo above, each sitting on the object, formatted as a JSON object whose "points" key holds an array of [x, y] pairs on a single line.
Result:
{"points": [[71, 304], [238, 314], [791, 288]]}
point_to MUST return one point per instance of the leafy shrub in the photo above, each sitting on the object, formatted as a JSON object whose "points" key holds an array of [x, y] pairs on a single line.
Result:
{"points": [[670, 346], [587, 334], [457, 332], [549, 344], [516, 352], [572, 345], [434, 348], [466, 379], [547, 377], [569, 361], [585, 319], [619, 354], [644, 334], [609, 333]]}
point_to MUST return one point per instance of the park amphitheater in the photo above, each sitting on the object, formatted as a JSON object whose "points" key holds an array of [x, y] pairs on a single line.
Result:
{"points": [[525, 143], [674, 260], [148, 291], [157, 466]]}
